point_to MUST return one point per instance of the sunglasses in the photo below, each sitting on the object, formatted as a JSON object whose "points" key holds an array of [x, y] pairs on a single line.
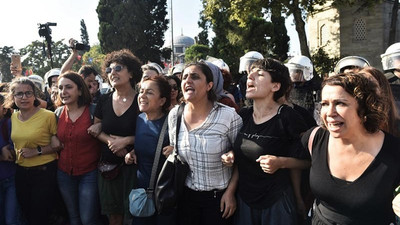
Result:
{"points": [[174, 86], [115, 68], [21, 94]]}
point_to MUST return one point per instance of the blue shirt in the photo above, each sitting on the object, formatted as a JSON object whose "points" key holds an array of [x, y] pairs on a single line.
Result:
{"points": [[7, 169], [146, 139]]}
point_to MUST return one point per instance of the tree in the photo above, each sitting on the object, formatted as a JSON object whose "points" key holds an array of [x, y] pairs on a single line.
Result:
{"points": [[37, 61], [5, 60], [84, 33], [323, 64], [133, 24], [202, 37], [196, 52], [94, 57]]}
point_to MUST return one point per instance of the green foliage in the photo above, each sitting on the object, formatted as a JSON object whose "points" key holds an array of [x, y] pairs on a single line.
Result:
{"points": [[138, 25], [84, 33], [323, 64], [196, 52], [241, 26], [94, 57], [202, 37], [166, 53], [5, 60]]}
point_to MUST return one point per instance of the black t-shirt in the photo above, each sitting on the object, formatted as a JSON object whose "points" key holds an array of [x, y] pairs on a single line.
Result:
{"points": [[368, 199], [278, 136], [306, 115], [124, 125]]}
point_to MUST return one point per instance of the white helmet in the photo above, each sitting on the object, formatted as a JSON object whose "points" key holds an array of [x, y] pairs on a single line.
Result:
{"points": [[248, 59], [350, 61], [391, 58], [218, 62], [300, 68], [38, 80], [178, 68], [99, 80], [156, 66], [51, 73]]}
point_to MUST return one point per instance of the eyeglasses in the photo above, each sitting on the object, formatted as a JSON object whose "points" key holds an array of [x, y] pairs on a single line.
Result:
{"points": [[174, 87], [115, 68], [21, 94]]}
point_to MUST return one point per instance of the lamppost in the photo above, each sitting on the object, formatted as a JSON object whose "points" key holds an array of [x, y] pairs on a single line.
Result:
{"points": [[172, 38]]}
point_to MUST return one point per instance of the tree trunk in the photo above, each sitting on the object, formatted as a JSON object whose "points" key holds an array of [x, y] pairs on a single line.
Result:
{"points": [[393, 23], [300, 28]]}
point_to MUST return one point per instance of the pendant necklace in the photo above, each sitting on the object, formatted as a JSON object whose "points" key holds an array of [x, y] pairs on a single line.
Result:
{"points": [[124, 99]]}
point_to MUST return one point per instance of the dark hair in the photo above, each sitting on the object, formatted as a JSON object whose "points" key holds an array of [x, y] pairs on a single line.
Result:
{"points": [[164, 88], [128, 59], [371, 105], [9, 102], [211, 96], [178, 84], [279, 74], [87, 70], [390, 105], [227, 78], [8, 113], [85, 98]]}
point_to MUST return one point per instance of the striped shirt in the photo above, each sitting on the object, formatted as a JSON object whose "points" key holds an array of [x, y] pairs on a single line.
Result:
{"points": [[203, 146]]}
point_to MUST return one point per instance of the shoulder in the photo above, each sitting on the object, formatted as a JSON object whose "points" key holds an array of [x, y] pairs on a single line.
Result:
{"points": [[391, 144], [46, 112], [105, 97]]}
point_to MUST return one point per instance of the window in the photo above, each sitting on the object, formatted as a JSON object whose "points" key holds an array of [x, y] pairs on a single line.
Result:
{"points": [[323, 35], [359, 29]]}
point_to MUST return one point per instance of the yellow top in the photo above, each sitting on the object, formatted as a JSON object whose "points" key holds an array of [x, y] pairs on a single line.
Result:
{"points": [[34, 132]]}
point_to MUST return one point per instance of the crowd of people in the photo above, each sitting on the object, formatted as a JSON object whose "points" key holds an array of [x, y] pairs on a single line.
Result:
{"points": [[279, 148]]}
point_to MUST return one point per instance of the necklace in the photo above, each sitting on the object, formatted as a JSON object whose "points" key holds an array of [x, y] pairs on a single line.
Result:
{"points": [[124, 99]]}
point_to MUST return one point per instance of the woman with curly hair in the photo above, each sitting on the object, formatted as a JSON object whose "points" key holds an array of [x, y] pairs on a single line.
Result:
{"points": [[355, 165], [117, 112]]}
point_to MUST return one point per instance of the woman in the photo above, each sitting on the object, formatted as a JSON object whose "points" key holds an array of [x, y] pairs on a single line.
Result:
{"points": [[270, 131], [154, 100], [32, 130], [77, 164], [392, 124], [175, 84], [9, 208], [117, 112], [208, 130], [355, 167]]}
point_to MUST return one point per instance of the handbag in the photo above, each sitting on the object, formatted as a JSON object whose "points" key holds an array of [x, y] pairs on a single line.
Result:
{"points": [[172, 177], [141, 201], [108, 170]]}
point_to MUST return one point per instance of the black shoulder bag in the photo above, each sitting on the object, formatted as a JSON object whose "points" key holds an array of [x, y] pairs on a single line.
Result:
{"points": [[172, 177]]}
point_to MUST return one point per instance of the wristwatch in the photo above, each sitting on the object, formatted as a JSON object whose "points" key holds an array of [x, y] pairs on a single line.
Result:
{"points": [[39, 149]]}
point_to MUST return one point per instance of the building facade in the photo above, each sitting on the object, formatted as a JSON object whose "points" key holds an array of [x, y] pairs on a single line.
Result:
{"points": [[349, 31]]}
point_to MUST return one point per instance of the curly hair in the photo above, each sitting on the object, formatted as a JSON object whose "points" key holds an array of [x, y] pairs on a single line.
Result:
{"points": [[390, 105], [128, 59], [371, 106], [279, 74]]}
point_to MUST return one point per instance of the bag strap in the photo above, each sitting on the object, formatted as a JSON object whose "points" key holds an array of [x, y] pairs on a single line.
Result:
{"points": [[311, 139], [178, 125], [158, 154]]}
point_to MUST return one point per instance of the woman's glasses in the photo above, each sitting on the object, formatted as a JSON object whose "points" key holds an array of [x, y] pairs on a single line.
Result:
{"points": [[174, 87], [115, 68], [21, 94]]}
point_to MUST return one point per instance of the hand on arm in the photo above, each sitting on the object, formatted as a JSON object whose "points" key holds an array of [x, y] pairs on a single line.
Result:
{"points": [[270, 163], [228, 200], [228, 158], [130, 157], [7, 154], [167, 150]]}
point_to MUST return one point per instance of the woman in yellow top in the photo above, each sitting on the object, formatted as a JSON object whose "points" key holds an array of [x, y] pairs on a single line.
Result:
{"points": [[32, 129]]}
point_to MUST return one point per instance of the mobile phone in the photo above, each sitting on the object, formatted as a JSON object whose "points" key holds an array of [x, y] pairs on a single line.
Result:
{"points": [[16, 61]]}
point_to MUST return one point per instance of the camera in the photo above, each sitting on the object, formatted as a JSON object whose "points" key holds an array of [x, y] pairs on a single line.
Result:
{"points": [[44, 29], [80, 46]]}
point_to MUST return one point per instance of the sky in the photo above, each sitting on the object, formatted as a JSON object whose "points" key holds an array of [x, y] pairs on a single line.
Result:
{"points": [[20, 29]]}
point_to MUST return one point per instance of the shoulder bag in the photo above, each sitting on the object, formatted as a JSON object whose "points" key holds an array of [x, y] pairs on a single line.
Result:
{"points": [[141, 201], [172, 177]]}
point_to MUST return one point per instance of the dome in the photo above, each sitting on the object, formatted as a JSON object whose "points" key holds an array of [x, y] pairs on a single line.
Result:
{"points": [[184, 41]]}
